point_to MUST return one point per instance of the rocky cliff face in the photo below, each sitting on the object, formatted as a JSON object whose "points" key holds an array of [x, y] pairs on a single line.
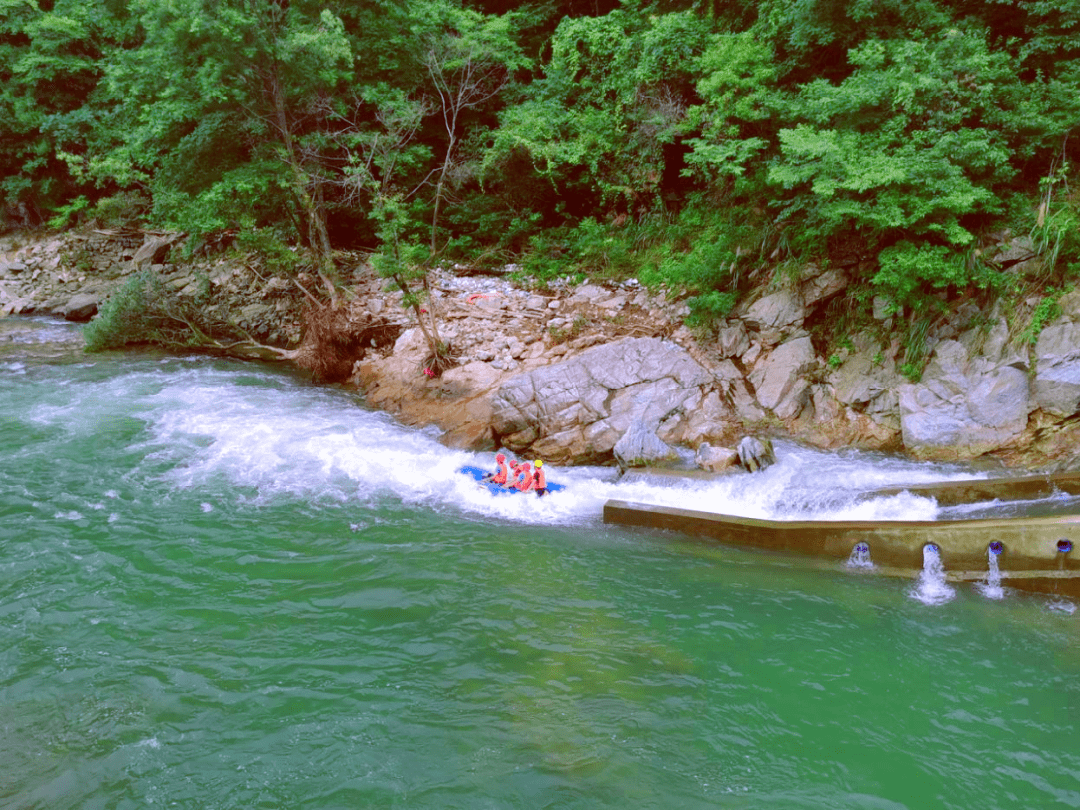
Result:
{"points": [[593, 373]]}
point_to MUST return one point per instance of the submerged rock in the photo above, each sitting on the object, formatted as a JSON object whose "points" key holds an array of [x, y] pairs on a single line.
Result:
{"points": [[715, 459]]}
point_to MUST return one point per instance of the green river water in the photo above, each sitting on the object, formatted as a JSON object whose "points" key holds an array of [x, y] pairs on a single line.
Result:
{"points": [[221, 587]]}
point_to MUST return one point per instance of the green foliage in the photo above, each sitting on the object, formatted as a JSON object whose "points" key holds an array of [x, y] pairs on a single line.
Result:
{"points": [[914, 344], [700, 251], [635, 138], [924, 134], [705, 267], [737, 86], [52, 58], [68, 214], [279, 257], [130, 316], [545, 258], [245, 197], [592, 249], [1055, 233], [144, 311], [613, 93], [403, 259], [908, 274], [125, 209], [707, 309], [1048, 309], [600, 250], [701, 255]]}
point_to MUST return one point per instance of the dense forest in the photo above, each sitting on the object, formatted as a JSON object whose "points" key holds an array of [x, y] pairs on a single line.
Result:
{"points": [[693, 143]]}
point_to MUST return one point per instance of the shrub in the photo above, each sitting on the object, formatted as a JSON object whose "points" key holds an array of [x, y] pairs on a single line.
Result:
{"points": [[69, 214], [126, 209], [600, 249], [127, 317], [707, 309], [909, 273], [279, 256]]}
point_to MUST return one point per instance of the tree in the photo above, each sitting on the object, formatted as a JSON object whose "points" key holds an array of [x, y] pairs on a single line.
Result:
{"points": [[922, 136], [51, 64], [230, 139], [613, 95], [468, 58]]}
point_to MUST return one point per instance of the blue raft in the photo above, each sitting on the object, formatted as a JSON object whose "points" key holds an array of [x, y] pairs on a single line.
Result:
{"points": [[478, 475]]}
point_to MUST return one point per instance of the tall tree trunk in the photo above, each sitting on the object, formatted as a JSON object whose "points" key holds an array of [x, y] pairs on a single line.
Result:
{"points": [[318, 237]]}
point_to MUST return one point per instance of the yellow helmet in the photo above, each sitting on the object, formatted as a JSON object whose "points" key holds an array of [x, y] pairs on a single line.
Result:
{"points": [[539, 463]]}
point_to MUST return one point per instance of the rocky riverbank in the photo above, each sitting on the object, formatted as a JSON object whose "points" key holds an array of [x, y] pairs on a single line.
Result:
{"points": [[592, 373]]}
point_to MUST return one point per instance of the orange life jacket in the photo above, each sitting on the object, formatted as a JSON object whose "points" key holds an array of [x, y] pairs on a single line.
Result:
{"points": [[524, 483], [501, 474], [539, 482]]}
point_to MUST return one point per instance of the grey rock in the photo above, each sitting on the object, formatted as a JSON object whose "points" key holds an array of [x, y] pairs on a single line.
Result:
{"points": [[775, 311], [154, 250], [817, 285], [1057, 368], [756, 454], [81, 307], [778, 379], [733, 340], [1019, 251], [579, 408], [641, 447], [958, 408], [11, 268], [715, 459]]}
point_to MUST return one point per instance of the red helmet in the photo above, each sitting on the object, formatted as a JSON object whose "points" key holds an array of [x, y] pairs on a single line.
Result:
{"points": [[500, 457]]}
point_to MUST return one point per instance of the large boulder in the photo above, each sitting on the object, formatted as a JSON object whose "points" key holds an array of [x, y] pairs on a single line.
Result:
{"points": [[578, 409], [778, 379], [458, 401], [866, 382], [81, 307], [715, 459], [1057, 368], [962, 409], [817, 284], [154, 250], [641, 447], [775, 315]]}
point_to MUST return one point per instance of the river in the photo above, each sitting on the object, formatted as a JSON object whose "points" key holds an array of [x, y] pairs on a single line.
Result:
{"points": [[223, 587]]}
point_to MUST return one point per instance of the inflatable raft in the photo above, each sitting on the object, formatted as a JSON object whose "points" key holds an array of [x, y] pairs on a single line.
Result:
{"points": [[495, 489]]}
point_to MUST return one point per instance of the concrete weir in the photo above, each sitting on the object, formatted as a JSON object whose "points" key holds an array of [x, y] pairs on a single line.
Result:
{"points": [[952, 493], [1036, 553]]}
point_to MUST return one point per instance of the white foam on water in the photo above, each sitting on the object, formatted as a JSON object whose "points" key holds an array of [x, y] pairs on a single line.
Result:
{"points": [[40, 329], [1060, 605], [860, 557], [991, 588], [207, 422], [931, 588]]}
